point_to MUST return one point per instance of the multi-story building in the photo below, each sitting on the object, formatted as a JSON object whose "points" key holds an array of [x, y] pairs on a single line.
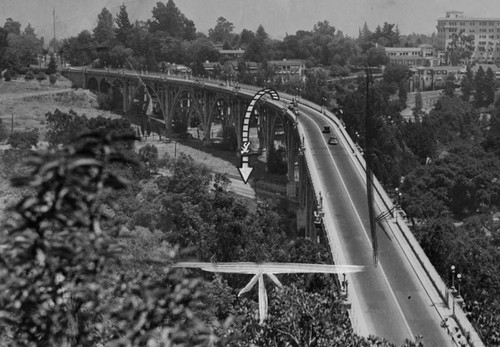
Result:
{"points": [[422, 55], [486, 32]]}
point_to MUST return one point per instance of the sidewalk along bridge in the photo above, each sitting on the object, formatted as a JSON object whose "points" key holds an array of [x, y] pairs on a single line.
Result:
{"points": [[400, 297]]}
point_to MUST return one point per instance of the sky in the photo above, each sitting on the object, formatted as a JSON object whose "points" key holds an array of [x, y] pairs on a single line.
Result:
{"points": [[279, 17]]}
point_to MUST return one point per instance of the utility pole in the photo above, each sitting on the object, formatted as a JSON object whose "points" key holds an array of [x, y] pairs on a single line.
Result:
{"points": [[54, 21]]}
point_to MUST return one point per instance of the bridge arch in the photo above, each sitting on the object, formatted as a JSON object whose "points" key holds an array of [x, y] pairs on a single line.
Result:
{"points": [[221, 115], [93, 85], [104, 86], [185, 106], [118, 93]]}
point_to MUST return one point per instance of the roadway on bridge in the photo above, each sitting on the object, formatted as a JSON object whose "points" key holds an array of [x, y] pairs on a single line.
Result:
{"points": [[394, 303]]}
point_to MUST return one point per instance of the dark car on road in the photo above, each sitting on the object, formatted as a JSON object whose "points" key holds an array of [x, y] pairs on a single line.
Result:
{"points": [[333, 140], [326, 129]]}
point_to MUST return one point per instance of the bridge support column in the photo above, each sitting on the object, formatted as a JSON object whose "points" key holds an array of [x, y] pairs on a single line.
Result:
{"points": [[237, 110], [267, 120], [306, 201], [291, 144], [166, 97], [305, 211]]}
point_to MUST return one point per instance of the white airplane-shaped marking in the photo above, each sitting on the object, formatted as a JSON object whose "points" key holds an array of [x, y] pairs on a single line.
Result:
{"points": [[269, 269]]}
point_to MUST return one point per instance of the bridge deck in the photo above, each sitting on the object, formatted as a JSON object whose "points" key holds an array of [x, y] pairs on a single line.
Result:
{"points": [[393, 301]]}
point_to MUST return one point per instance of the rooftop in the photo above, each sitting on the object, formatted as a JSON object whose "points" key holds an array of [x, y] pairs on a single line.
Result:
{"points": [[402, 49], [231, 51], [287, 62], [464, 18]]}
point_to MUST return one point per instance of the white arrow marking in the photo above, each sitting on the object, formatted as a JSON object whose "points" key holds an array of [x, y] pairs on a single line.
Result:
{"points": [[245, 170]]}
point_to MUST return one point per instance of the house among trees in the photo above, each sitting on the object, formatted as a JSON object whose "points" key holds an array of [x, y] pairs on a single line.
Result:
{"points": [[287, 69], [231, 54]]}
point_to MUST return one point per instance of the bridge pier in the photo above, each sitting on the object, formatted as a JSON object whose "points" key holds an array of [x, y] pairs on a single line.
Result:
{"points": [[306, 201]]}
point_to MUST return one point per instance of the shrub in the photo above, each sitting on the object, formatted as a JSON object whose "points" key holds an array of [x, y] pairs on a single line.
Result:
{"points": [[51, 68], [29, 75], [7, 76], [105, 101], [41, 76], [53, 79], [24, 140]]}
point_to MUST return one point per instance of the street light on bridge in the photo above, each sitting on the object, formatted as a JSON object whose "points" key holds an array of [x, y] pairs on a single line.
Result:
{"points": [[452, 279]]}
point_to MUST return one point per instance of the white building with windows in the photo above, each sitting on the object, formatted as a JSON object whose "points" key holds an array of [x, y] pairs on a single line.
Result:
{"points": [[486, 32], [423, 55]]}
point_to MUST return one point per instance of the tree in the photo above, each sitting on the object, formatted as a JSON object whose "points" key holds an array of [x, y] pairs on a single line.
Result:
{"points": [[79, 50], [420, 137], [52, 67], [261, 33], [365, 33], [168, 18], [460, 48], [376, 56], [23, 48], [387, 36], [246, 37], [418, 103], [4, 43], [149, 155], [449, 87], [222, 32], [123, 26], [489, 86], [480, 88], [104, 31], [3, 131], [12, 27], [467, 84], [454, 119], [199, 51]]}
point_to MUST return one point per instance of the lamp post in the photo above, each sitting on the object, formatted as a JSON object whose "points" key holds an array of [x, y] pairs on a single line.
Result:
{"points": [[398, 203], [459, 278], [453, 279]]}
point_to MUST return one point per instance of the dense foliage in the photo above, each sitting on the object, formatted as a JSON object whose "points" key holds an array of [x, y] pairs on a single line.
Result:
{"points": [[74, 275], [451, 197], [56, 276]]}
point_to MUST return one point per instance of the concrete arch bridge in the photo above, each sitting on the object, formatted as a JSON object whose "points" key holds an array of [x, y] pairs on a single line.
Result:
{"points": [[401, 296]]}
